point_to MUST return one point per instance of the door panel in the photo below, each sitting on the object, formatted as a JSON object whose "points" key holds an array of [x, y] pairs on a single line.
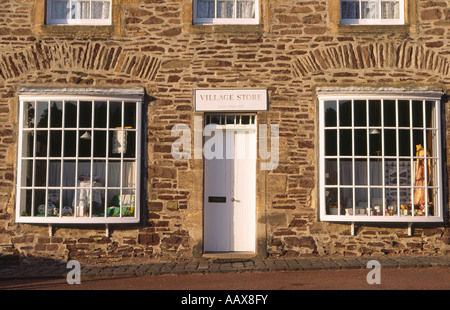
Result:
{"points": [[230, 225]]}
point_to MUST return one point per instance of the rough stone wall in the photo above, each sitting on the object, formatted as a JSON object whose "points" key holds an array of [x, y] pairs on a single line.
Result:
{"points": [[292, 52]]}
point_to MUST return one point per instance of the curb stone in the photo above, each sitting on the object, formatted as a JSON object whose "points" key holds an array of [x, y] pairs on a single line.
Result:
{"points": [[59, 270]]}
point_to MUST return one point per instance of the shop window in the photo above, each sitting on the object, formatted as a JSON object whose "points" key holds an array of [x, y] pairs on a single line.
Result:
{"points": [[226, 11], [79, 12], [380, 158], [78, 159], [373, 12]]}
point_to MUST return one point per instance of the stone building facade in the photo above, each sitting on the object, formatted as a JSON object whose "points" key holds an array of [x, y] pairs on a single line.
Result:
{"points": [[296, 52]]}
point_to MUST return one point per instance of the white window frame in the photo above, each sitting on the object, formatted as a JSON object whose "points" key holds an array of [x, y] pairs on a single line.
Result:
{"points": [[78, 21], [134, 96], [226, 21], [340, 94], [374, 21]]}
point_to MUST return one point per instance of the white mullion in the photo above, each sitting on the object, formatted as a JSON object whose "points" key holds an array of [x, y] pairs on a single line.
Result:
{"points": [[49, 115], [122, 129], [397, 138], [437, 109], [369, 183], [383, 159], [413, 174], [215, 8], [105, 207], [352, 104], [76, 157], [61, 185], [92, 161], [33, 169], [425, 160], [338, 158]]}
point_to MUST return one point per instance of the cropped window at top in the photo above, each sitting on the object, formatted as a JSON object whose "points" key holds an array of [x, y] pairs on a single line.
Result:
{"points": [[375, 12], [78, 160], [380, 159], [226, 12], [79, 12]]}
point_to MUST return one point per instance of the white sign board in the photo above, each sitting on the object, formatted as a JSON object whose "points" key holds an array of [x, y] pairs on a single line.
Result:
{"points": [[230, 100]]}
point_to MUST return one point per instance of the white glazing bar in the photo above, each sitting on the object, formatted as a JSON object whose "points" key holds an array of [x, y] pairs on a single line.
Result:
{"points": [[122, 149], [75, 205], [91, 183], [397, 139], [383, 159], [425, 160], [338, 157], [413, 175], [108, 132], [352, 115]]}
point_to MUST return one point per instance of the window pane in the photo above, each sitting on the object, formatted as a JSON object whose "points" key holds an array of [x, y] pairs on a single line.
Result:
{"points": [[70, 114], [99, 173], [129, 174], [100, 10], [115, 114], [331, 172], [85, 116], [404, 144], [405, 201], [375, 172], [27, 173], [346, 172], [205, 8], [53, 202], [245, 9], [360, 114], [69, 173], [55, 143], [98, 202], [39, 202], [390, 142], [40, 173], [84, 173], [374, 112], [370, 10], [430, 114], [361, 201], [114, 174], [345, 142], [350, 9], [129, 149], [331, 198], [28, 114], [360, 142], [404, 172], [403, 113], [41, 143], [100, 114], [80, 9], [330, 142], [361, 171], [417, 113], [67, 199], [56, 114], [390, 10], [389, 113], [54, 173], [391, 201], [347, 200], [390, 172], [27, 143], [431, 141], [375, 142], [41, 114], [225, 8], [99, 143], [70, 143], [60, 9], [130, 115], [345, 113], [417, 141], [330, 114], [84, 143], [376, 201]]}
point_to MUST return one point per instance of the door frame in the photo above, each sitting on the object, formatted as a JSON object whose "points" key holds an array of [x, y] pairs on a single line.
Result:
{"points": [[235, 127]]}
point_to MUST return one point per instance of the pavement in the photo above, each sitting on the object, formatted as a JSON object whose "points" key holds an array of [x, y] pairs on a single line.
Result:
{"points": [[204, 266]]}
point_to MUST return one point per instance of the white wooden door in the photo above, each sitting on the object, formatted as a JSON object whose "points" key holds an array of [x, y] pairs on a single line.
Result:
{"points": [[230, 193]]}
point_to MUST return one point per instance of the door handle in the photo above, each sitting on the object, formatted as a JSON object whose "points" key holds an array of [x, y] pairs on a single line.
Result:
{"points": [[233, 200]]}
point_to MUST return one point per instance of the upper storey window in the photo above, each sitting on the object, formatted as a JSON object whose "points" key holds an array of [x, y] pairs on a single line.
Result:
{"points": [[226, 12], [79, 12], [374, 12]]}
